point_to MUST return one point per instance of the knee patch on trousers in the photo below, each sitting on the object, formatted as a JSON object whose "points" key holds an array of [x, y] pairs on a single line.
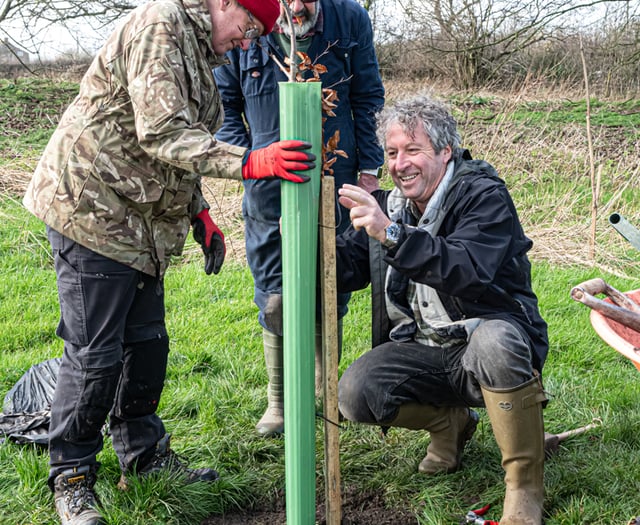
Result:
{"points": [[94, 403], [142, 380]]}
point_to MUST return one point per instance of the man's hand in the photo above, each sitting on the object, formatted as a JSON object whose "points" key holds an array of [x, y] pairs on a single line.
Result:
{"points": [[364, 211], [279, 159], [209, 236], [368, 182]]}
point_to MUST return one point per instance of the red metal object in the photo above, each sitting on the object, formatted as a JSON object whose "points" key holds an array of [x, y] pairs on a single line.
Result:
{"points": [[616, 319], [474, 517]]}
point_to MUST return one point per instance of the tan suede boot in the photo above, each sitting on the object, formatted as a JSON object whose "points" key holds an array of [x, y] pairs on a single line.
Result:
{"points": [[516, 419], [272, 421], [450, 429]]}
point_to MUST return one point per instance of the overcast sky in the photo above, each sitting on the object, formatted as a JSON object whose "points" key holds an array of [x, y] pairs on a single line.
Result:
{"points": [[64, 40]]}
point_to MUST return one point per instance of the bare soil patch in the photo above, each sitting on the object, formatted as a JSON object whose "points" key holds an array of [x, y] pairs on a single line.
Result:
{"points": [[357, 509]]}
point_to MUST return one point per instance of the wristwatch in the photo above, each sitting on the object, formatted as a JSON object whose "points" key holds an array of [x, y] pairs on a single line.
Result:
{"points": [[375, 172], [393, 235]]}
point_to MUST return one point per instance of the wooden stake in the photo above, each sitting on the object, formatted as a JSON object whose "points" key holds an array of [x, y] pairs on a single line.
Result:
{"points": [[552, 441], [330, 351]]}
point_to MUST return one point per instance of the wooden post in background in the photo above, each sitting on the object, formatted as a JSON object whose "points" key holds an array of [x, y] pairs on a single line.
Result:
{"points": [[330, 352]]}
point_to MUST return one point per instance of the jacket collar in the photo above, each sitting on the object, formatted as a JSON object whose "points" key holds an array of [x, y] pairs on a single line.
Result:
{"points": [[198, 13]]}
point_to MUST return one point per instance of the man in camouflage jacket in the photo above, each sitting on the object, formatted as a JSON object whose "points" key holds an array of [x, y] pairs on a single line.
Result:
{"points": [[118, 187]]}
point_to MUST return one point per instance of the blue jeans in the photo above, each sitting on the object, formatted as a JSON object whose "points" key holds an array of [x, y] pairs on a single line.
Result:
{"points": [[392, 374], [114, 359]]}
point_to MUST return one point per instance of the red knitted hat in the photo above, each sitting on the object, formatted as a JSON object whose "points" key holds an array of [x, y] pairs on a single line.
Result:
{"points": [[267, 11]]}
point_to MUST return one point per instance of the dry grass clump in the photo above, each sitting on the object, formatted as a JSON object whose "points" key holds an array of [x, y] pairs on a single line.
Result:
{"points": [[548, 170], [13, 181], [225, 198]]}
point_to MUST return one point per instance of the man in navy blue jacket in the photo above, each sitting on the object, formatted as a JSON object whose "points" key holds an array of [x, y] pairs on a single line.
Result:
{"points": [[338, 35]]}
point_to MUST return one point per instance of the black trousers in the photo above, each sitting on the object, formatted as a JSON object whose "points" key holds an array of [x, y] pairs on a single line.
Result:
{"points": [[114, 360]]}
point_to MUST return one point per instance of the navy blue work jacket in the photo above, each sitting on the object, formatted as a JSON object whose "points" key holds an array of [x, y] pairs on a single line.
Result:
{"points": [[249, 89]]}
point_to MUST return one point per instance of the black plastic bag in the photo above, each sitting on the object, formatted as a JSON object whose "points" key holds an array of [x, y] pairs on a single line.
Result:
{"points": [[27, 406]]}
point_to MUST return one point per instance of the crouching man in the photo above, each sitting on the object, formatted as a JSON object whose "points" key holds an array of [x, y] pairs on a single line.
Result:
{"points": [[455, 320]]}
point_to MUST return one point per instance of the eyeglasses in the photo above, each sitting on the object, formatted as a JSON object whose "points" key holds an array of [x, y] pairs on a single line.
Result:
{"points": [[252, 32]]}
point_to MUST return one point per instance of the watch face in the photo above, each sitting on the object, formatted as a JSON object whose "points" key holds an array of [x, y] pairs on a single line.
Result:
{"points": [[393, 234]]}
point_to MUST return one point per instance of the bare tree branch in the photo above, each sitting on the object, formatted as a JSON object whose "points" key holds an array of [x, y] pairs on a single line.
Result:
{"points": [[31, 19], [482, 36]]}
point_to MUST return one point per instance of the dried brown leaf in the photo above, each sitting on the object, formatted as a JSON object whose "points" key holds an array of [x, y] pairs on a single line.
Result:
{"points": [[332, 143], [319, 69], [340, 152]]}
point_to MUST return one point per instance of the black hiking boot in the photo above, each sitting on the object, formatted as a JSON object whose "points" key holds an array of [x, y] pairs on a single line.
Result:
{"points": [[165, 459], [74, 497]]}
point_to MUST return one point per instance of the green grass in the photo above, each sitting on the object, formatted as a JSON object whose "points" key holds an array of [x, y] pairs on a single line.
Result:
{"points": [[620, 113], [216, 381], [215, 389]]}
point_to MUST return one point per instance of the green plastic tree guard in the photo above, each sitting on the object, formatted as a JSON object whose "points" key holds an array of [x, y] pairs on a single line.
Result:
{"points": [[300, 118]]}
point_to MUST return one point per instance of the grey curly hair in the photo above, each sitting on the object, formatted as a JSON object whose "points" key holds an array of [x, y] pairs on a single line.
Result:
{"points": [[434, 116]]}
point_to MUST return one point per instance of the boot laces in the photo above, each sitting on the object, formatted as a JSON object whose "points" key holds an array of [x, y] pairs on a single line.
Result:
{"points": [[78, 494]]}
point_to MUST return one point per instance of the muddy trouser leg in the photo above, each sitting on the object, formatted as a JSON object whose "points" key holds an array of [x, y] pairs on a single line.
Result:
{"points": [[372, 389], [95, 294], [135, 427], [412, 385], [376, 384]]}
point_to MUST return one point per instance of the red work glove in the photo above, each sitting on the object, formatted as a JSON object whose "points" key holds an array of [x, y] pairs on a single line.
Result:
{"points": [[279, 159], [209, 236]]}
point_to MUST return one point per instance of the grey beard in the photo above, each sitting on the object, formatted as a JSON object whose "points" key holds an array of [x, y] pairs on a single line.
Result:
{"points": [[298, 29]]}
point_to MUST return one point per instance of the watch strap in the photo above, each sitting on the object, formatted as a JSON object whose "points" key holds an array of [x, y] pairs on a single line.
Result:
{"points": [[376, 172]]}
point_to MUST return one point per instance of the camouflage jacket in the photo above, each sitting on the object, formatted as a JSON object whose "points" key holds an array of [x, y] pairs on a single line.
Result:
{"points": [[121, 173]]}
